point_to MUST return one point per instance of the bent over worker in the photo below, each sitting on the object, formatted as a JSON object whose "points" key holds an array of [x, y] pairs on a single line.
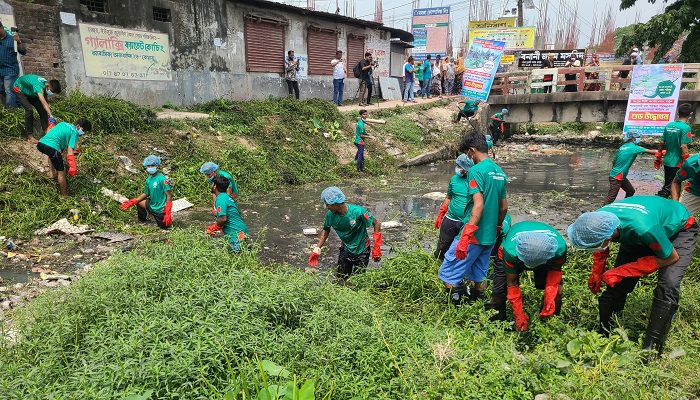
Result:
{"points": [[690, 173], [228, 218], [350, 222], [63, 138], [211, 170], [156, 198], [655, 234], [622, 162]]}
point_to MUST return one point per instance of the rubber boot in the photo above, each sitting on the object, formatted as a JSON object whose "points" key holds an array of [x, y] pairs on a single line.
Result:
{"points": [[498, 304], [557, 305], [459, 295], [476, 295], [606, 310], [660, 318]]}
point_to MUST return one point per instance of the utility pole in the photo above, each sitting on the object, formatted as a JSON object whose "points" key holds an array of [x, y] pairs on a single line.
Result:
{"points": [[520, 13]]}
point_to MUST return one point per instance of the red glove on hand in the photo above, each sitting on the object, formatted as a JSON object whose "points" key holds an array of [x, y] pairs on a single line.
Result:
{"points": [[642, 267], [467, 236], [313, 258], [213, 209], [168, 210], [72, 168], [685, 156], [599, 259], [550, 292], [657, 160], [377, 247], [516, 301], [125, 205], [441, 215], [213, 229]]}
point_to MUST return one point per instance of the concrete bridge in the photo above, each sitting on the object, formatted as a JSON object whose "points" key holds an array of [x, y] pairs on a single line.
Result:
{"points": [[603, 99]]}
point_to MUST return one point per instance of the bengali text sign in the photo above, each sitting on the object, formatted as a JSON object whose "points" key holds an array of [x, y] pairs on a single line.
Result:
{"points": [[653, 97], [515, 38], [117, 53], [481, 65]]}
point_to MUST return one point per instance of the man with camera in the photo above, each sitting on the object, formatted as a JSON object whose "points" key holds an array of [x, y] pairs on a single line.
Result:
{"points": [[291, 67], [9, 65], [366, 66]]}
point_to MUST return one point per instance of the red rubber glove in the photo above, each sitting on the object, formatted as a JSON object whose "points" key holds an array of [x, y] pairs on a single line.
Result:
{"points": [[642, 267], [377, 247], [72, 168], [125, 205], [599, 260], [658, 160], [466, 238], [441, 215], [313, 258], [685, 156], [168, 210], [551, 288], [516, 301], [213, 209], [213, 229]]}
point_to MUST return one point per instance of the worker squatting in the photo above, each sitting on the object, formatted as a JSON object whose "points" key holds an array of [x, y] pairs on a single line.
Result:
{"points": [[655, 234]]}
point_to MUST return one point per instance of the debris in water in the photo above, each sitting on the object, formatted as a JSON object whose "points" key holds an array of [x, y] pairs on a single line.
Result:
{"points": [[391, 224], [310, 231]]}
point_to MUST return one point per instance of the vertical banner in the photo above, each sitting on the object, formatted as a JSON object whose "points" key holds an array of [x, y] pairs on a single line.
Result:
{"points": [[430, 27], [481, 65], [653, 97]]}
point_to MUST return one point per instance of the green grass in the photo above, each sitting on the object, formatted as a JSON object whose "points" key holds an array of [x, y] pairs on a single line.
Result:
{"points": [[187, 319]]}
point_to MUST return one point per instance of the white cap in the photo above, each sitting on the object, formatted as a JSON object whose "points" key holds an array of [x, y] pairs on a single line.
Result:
{"points": [[635, 49], [633, 54]]}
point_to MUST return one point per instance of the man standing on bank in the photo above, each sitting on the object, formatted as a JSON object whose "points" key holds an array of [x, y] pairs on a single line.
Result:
{"points": [[291, 67], [366, 80], [339, 74], [9, 65]]}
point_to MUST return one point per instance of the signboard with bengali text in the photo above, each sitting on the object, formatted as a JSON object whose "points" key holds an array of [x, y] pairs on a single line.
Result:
{"points": [[507, 22], [515, 38], [481, 65], [117, 53], [653, 97], [430, 28], [533, 59]]}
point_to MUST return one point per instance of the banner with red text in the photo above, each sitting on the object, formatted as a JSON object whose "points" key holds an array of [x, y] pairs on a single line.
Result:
{"points": [[481, 65], [653, 97], [117, 53]]}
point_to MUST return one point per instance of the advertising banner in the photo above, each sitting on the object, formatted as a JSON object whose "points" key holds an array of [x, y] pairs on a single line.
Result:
{"points": [[481, 65], [533, 59], [117, 53], [507, 22], [515, 38], [653, 97], [507, 59], [8, 21], [430, 28]]}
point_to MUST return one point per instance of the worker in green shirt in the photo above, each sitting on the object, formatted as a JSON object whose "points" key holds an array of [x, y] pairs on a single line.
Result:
{"points": [[468, 110], [31, 92], [622, 162], [211, 170], [690, 173], [156, 198], [496, 126], [469, 254], [489, 143], [454, 207], [350, 222], [533, 246], [418, 74], [228, 218], [63, 138], [655, 234], [677, 135], [360, 136]]}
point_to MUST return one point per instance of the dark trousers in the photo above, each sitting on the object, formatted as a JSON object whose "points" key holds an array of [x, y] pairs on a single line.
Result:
{"points": [[349, 264], [449, 229], [498, 285], [495, 133], [360, 157], [293, 86], [668, 287], [143, 214], [465, 114], [669, 174], [548, 89], [28, 103], [615, 186]]}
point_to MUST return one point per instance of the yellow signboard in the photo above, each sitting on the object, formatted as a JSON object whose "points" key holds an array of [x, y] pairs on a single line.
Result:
{"points": [[117, 53], [507, 59], [515, 38], [508, 22]]}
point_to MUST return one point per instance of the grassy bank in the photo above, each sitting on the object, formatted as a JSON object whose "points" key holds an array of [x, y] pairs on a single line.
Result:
{"points": [[188, 320]]}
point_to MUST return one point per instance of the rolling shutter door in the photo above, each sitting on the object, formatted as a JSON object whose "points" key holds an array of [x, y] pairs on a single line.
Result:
{"points": [[356, 51], [321, 46], [262, 39]]}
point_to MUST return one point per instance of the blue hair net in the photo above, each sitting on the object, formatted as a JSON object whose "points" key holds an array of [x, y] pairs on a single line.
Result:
{"points": [[535, 248], [464, 162], [592, 228], [208, 167], [332, 195], [632, 134], [151, 160], [504, 111], [488, 138]]}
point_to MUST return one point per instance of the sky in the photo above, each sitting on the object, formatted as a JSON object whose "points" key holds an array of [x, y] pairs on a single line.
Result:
{"points": [[399, 11]]}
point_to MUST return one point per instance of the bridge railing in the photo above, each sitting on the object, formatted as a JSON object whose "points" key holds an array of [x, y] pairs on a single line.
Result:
{"points": [[612, 77]]}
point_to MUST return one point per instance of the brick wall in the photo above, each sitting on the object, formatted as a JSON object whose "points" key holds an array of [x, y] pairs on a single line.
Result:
{"points": [[39, 24]]}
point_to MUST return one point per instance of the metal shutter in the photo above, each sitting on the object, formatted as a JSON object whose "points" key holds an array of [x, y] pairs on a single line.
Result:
{"points": [[356, 50], [321, 46], [263, 39]]}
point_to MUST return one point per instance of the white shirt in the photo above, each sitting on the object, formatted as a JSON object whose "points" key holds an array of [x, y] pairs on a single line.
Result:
{"points": [[338, 69]]}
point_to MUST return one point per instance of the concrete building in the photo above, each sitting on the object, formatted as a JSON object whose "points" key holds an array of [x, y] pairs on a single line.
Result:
{"points": [[186, 52]]}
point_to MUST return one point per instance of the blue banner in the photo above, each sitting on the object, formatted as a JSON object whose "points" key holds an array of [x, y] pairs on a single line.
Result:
{"points": [[481, 65]]}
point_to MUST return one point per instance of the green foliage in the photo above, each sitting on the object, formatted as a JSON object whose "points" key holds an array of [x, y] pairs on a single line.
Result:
{"points": [[405, 130], [575, 127]]}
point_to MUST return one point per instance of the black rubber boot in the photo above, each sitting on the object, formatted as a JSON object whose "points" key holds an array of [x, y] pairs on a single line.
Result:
{"points": [[660, 318], [498, 304], [476, 295], [606, 310], [459, 295], [557, 305]]}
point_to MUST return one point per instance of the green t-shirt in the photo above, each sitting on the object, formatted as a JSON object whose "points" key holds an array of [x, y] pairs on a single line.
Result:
{"points": [[234, 223], [512, 264], [351, 228], [459, 193], [232, 184], [489, 144], [507, 223], [359, 130], [30, 85], [690, 171], [419, 72], [156, 187], [676, 133], [470, 106], [487, 178], [497, 124], [61, 136], [623, 160], [649, 221]]}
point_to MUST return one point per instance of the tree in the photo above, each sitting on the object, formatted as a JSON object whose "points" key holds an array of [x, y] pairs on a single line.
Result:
{"points": [[663, 30]]}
